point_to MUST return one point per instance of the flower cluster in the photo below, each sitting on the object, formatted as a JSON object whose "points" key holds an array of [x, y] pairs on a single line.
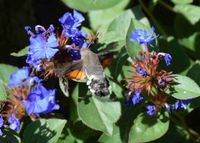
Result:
{"points": [[27, 95], [49, 51], [51, 46], [149, 82]]}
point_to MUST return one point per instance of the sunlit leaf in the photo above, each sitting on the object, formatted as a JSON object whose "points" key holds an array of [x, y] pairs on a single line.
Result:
{"points": [[87, 5], [146, 128], [185, 88], [22, 52], [95, 113]]}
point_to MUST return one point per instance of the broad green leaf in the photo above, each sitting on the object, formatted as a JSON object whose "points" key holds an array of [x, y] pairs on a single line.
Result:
{"points": [[3, 93], [22, 52], [96, 113], [105, 16], [175, 134], [193, 72], [185, 88], [44, 131], [117, 29], [182, 1], [133, 48], [191, 42], [190, 12], [116, 88], [148, 128], [88, 5], [115, 138], [68, 137], [6, 71], [63, 83]]}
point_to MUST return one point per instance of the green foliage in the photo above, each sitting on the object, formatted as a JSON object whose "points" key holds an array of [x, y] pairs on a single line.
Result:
{"points": [[3, 91], [185, 88], [108, 119], [90, 4], [133, 48], [22, 52], [6, 71], [96, 113], [44, 131], [147, 128]]}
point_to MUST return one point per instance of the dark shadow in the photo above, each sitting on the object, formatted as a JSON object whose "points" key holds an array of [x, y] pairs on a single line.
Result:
{"points": [[37, 132]]}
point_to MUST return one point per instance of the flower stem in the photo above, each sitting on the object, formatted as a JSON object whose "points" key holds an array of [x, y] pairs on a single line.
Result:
{"points": [[181, 122], [166, 5]]}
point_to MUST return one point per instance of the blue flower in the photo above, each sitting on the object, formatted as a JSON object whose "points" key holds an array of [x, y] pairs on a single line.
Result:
{"points": [[42, 45], [70, 23], [40, 101], [151, 110], [142, 37], [79, 39], [167, 59], [34, 62], [21, 77], [141, 71], [1, 124], [181, 104], [40, 48], [14, 123], [136, 97]]}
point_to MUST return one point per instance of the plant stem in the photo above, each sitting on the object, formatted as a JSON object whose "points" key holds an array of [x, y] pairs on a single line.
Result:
{"points": [[152, 18], [166, 5], [180, 121]]}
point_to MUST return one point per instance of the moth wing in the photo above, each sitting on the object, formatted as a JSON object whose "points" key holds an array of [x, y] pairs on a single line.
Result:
{"points": [[75, 71]]}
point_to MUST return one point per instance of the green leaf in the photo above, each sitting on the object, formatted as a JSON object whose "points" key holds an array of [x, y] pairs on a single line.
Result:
{"points": [[88, 5], [193, 72], [63, 83], [148, 128], [96, 113], [133, 48], [43, 131], [190, 12], [182, 1], [10, 136], [107, 15], [191, 43], [22, 52], [185, 88], [3, 93], [6, 71], [119, 26], [115, 138], [116, 88]]}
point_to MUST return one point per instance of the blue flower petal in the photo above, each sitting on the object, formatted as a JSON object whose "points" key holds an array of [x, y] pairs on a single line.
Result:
{"points": [[142, 37], [151, 110], [17, 78], [14, 123], [137, 97], [40, 101], [167, 59]]}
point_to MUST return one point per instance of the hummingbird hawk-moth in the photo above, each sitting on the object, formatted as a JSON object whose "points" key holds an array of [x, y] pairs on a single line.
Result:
{"points": [[88, 67]]}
